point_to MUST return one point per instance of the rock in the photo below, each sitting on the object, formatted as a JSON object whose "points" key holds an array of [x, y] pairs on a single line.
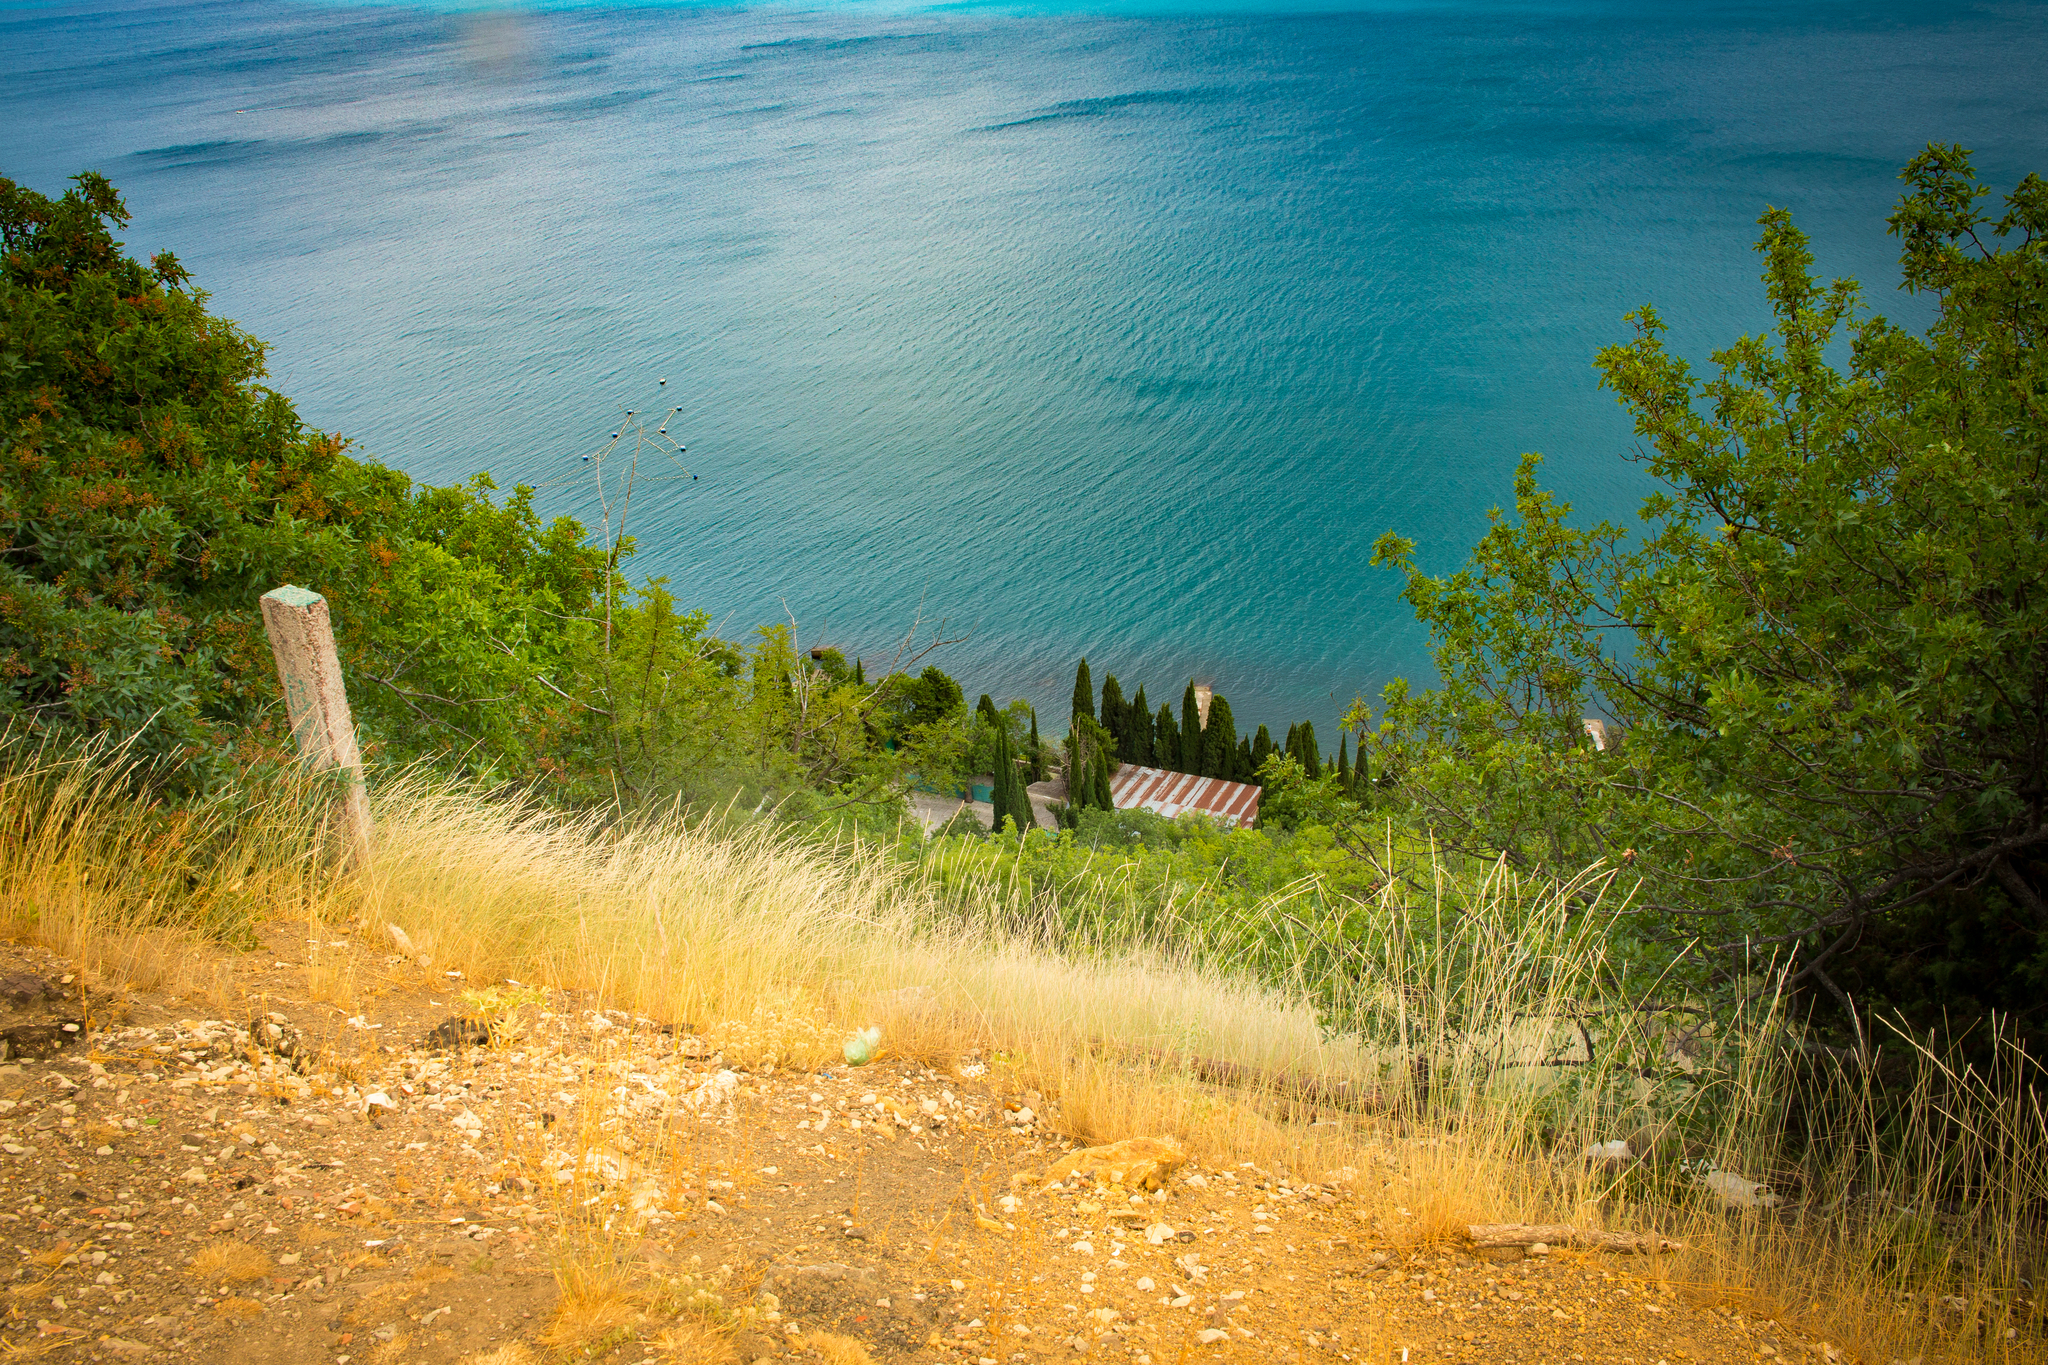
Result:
{"points": [[40, 1040], [457, 1031], [1136, 1163], [1145, 1285], [403, 942], [1737, 1193], [1614, 1154], [21, 990], [377, 1104], [1209, 1336], [1159, 1234]]}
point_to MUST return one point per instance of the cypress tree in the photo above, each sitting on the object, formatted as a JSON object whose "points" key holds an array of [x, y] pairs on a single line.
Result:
{"points": [[1293, 749], [985, 709], [1343, 764], [999, 795], [1219, 741], [1311, 757], [1037, 750], [1020, 800], [1242, 771], [1114, 717], [1166, 741], [860, 677], [1262, 749], [1190, 732], [1141, 730], [1104, 798], [1084, 692]]}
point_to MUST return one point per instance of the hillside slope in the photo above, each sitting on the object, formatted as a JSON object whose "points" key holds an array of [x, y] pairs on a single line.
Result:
{"points": [[601, 1189]]}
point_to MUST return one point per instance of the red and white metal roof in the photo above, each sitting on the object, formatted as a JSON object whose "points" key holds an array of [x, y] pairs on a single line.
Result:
{"points": [[1170, 794]]}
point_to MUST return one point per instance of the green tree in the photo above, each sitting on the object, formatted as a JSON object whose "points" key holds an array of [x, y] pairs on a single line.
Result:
{"points": [[1304, 750], [1141, 730], [1824, 641], [1343, 763], [1084, 692], [1192, 752], [1261, 750], [151, 488], [1242, 767], [1114, 716], [1166, 740], [1219, 740], [1007, 791], [919, 702], [1037, 751], [985, 711]]}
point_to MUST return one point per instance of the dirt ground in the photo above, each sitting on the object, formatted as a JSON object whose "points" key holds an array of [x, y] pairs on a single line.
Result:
{"points": [[297, 1181]]}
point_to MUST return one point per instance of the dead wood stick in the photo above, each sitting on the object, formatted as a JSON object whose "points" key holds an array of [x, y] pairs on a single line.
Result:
{"points": [[1565, 1235]]}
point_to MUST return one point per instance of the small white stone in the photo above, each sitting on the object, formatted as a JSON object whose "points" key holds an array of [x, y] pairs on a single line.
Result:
{"points": [[1209, 1336], [1159, 1234], [1145, 1285]]}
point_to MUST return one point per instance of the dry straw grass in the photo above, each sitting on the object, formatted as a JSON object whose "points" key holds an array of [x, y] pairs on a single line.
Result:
{"points": [[229, 1262], [1917, 1239]]}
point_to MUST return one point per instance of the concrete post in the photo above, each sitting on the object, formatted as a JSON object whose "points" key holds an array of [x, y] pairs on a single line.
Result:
{"points": [[302, 638]]}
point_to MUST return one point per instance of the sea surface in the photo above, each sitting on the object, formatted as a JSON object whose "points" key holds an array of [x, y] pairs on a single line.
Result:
{"points": [[1118, 330]]}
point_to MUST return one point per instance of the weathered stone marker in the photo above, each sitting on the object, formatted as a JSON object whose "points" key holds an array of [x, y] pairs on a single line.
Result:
{"points": [[302, 638]]}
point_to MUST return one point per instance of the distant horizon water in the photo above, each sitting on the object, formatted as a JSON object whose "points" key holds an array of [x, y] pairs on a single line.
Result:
{"points": [[1110, 329]]}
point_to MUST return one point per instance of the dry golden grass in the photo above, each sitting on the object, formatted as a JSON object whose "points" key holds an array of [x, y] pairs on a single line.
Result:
{"points": [[837, 1350], [511, 1353], [238, 1308], [774, 950], [229, 1262], [687, 1342]]}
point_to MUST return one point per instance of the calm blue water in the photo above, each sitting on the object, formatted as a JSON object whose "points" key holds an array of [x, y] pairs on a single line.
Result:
{"points": [[1117, 333]]}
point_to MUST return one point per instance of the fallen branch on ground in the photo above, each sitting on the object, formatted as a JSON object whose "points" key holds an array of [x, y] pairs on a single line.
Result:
{"points": [[1564, 1235]]}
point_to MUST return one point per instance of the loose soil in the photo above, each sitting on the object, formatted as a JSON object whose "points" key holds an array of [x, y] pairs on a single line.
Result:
{"points": [[299, 1181]]}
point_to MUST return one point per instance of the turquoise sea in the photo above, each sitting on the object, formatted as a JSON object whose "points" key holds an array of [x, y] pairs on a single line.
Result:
{"points": [[1117, 329]]}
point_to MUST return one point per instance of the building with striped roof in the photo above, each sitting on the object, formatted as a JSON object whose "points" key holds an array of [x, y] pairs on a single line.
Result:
{"points": [[1171, 794]]}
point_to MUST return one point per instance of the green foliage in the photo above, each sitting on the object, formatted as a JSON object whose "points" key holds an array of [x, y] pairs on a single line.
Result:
{"points": [[1166, 740], [1191, 749], [1219, 740], [1114, 716], [1006, 796], [1261, 750], [151, 489], [1823, 644], [1140, 722], [908, 704], [1084, 692]]}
